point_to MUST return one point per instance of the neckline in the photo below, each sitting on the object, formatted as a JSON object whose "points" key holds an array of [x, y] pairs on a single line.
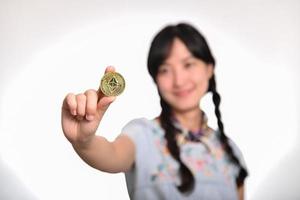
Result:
{"points": [[209, 133]]}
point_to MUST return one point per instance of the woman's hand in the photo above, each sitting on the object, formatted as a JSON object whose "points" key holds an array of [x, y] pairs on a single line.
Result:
{"points": [[82, 113]]}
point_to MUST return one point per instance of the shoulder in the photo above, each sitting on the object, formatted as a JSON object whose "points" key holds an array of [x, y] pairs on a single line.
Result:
{"points": [[237, 152], [235, 147], [232, 144], [140, 132], [139, 129], [136, 124]]}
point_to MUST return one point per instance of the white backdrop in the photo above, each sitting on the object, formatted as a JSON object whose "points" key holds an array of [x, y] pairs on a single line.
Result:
{"points": [[49, 48]]}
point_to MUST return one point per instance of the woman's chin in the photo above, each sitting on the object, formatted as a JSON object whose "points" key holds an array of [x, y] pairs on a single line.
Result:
{"points": [[186, 108]]}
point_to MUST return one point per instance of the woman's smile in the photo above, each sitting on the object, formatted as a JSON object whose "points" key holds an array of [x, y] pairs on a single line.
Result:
{"points": [[183, 92]]}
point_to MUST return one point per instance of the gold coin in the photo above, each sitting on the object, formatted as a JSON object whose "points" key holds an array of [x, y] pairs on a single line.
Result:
{"points": [[112, 84]]}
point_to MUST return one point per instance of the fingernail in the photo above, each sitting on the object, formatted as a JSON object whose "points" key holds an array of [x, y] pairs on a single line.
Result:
{"points": [[111, 68], [89, 117], [73, 112]]}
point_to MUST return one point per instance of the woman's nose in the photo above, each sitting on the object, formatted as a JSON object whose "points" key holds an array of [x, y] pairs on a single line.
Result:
{"points": [[179, 78]]}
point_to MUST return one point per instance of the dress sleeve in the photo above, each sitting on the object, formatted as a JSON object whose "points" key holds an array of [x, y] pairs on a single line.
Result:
{"points": [[136, 130], [238, 153]]}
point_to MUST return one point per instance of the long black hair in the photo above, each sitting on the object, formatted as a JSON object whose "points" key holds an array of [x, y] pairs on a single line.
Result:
{"points": [[197, 45]]}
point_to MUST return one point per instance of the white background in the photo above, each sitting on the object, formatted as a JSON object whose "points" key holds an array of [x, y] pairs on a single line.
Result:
{"points": [[49, 48]]}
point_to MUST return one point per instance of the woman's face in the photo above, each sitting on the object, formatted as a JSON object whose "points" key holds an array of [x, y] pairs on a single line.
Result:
{"points": [[183, 79]]}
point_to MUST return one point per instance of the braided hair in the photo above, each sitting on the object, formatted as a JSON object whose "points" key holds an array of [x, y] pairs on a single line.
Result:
{"points": [[224, 139], [158, 53]]}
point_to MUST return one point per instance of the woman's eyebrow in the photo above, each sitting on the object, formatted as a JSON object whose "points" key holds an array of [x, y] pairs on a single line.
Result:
{"points": [[165, 63], [187, 58]]}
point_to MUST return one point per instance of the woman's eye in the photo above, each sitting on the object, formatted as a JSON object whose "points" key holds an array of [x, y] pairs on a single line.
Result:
{"points": [[188, 65], [163, 70]]}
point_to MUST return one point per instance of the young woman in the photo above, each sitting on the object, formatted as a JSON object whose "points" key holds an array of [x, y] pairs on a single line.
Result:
{"points": [[176, 155]]}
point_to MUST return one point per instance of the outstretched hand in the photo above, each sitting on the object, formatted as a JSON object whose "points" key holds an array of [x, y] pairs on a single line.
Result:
{"points": [[82, 113]]}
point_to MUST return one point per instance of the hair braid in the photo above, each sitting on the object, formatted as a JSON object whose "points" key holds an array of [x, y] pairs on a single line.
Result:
{"points": [[187, 178], [224, 139]]}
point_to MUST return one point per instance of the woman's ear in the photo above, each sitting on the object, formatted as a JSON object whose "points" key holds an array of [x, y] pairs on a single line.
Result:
{"points": [[210, 70]]}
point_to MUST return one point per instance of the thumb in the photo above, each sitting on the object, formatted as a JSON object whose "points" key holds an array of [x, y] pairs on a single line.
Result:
{"points": [[103, 104]]}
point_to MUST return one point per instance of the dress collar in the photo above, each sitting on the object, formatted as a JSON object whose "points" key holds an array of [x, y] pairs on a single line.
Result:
{"points": [[187, 135]]}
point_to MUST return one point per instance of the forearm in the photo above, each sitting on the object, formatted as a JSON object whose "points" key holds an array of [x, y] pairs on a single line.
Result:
{"points": [[241, 192], [98, 153]]}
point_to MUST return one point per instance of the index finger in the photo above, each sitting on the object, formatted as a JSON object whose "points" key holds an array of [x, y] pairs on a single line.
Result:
{"points": [[109, 69]]}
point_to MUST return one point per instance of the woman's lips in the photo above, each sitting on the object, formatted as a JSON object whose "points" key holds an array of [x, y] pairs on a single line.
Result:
{"points": [[182, 93]]}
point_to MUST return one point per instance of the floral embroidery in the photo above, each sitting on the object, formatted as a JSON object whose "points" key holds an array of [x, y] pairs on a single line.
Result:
{"points": [[206, 157], [219, 153], [164, 170]]}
